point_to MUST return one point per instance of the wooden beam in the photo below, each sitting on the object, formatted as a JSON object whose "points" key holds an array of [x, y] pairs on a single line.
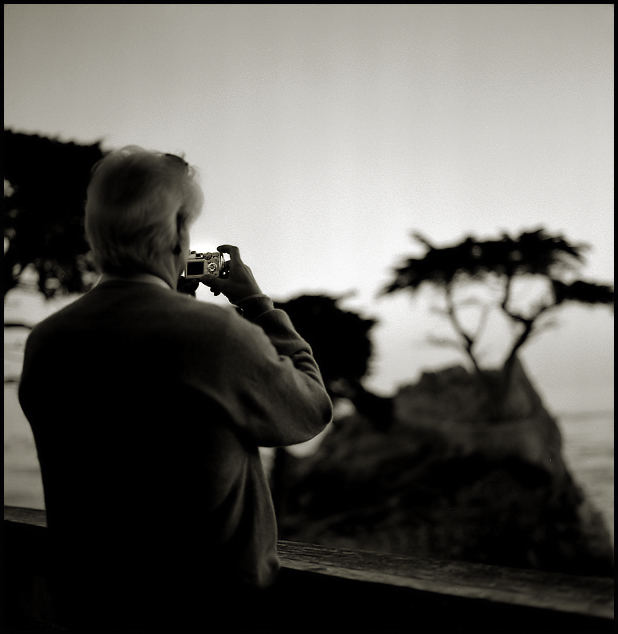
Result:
{"points": [[589, 596], [526, 588]]}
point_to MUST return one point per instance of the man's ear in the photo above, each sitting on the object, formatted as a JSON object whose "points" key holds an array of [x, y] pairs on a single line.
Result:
{"points": [[180, 228]]}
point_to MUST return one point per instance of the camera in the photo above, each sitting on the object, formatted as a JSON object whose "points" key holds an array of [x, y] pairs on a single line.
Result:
{"points": [[199, 264]]}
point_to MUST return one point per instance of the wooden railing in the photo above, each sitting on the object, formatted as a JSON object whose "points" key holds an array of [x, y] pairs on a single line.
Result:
{"points": [[337, 589]]}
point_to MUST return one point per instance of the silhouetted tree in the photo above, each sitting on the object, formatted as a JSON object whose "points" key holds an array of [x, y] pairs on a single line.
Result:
{"points": [[45, 183], [339, 338], [531, 254], [342, 347]]}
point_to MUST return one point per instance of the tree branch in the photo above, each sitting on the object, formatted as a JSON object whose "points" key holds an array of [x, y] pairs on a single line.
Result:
{"points": [[527, 331], [16, 324], [482, 321], [446, 342], [508, 285], [468, 341]]}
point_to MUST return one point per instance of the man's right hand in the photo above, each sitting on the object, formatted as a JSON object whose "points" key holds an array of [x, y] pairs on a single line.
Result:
{"points": [[238, 284]]}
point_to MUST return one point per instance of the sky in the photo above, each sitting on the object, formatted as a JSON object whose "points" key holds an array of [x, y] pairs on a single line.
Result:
{"points": [[325, 134]]}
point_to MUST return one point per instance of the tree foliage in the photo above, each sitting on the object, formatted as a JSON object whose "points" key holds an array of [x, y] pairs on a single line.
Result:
{"points": [[45, 189], [339, 338], [531, 254]]}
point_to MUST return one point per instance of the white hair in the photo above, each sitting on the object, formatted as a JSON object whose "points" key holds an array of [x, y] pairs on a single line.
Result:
{"points": [[138, 204]]}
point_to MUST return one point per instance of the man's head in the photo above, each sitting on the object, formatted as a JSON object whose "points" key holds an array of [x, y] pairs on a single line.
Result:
{"points": [[139, 207]]}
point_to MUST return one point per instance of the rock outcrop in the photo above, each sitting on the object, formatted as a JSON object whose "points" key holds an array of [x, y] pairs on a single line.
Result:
{"points": [[441, 481]]}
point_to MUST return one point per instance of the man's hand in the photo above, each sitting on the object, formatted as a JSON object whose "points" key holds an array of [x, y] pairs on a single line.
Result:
{"points": [[238, 284]]}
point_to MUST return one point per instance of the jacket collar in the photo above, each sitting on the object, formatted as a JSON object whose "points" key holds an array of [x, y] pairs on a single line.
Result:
{"points": [[147, 278]]}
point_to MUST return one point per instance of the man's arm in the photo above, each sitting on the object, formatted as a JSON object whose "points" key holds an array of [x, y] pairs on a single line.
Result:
{"points": [[272, 381], [276, 388]]}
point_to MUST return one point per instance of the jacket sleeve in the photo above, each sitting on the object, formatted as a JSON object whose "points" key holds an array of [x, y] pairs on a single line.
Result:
{"points": [[267, 380]]}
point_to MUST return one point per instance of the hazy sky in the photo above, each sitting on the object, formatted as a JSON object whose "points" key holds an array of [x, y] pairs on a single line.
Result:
{"points": [[325, 134]]}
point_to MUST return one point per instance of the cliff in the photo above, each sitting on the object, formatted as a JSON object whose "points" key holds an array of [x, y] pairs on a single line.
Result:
{"points": [[439, 480]]}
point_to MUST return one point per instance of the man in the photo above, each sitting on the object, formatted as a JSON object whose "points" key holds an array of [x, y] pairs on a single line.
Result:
{"points": [[148, 408]]}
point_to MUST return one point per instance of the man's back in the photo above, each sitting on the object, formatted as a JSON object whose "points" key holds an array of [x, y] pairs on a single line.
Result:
{"points": [[147, 416]]}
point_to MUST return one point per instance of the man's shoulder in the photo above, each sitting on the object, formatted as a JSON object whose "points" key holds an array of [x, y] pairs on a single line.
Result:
{"points": [[178, 316], [142, 305], [57, 319], [193, 313]]}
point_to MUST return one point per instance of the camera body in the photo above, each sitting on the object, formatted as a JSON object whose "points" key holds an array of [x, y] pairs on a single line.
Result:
{"points": [[200, 264]]}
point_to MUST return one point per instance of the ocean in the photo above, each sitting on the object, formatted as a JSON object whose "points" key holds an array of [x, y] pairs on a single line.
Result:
{"points": [[588, 448]]}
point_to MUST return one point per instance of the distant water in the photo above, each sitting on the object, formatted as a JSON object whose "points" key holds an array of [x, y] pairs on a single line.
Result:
{"points": [[588, 448]]}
